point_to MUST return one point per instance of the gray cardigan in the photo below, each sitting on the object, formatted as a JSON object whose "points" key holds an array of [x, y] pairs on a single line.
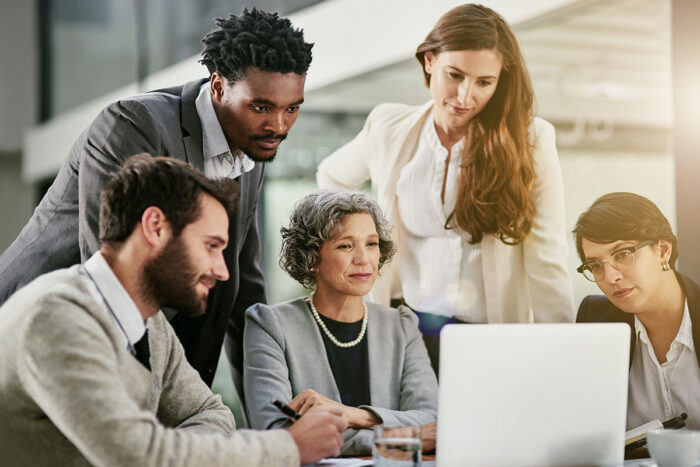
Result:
{"points": [[285, 355], [72, 394]]}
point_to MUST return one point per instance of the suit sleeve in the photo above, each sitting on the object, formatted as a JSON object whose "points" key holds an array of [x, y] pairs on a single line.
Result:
{"points": [[121, 130], [49, 240], [348, 166], [418, 398], [266, 373], [545, 248], [186, 402], [68, 367], [64, 227]]}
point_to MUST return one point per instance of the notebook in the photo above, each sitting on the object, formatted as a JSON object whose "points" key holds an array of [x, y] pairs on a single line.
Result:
{"points": [[532, 394]]}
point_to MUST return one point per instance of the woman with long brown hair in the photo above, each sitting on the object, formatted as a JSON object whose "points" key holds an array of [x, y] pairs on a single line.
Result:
{"points": [[472, 182]]}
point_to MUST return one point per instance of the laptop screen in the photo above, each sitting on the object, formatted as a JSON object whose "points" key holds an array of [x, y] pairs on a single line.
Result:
{"points": [[532, 394]]}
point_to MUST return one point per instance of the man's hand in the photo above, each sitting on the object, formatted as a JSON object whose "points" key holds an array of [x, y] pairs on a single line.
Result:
{"points": [[318, 433], [357, 418]]}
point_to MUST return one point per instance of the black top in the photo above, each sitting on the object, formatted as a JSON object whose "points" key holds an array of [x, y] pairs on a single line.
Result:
{"points": [[350, 366]]}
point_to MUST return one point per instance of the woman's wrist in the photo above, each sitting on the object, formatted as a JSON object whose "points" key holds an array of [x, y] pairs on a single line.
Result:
{"points": [[361, 418]]}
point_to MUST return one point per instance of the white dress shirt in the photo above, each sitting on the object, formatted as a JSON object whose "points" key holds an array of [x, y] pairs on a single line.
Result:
{"points": [[107, 290], [441, 272], [663, 391], [218, 160]]}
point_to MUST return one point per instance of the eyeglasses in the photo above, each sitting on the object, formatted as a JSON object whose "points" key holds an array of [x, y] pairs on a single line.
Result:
{"points": [[622, 260]]}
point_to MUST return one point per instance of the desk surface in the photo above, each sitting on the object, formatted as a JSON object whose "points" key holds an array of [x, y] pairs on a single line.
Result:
{"points": [[429, 461]]}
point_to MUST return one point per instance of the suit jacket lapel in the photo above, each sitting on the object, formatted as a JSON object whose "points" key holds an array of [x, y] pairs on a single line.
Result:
{"points": [[692, 294], [380, 368], [315, 341], [191, 125]]}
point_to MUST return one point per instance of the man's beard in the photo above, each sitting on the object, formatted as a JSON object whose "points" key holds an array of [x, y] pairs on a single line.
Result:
{"points": [[250, 153], [170, 280]]}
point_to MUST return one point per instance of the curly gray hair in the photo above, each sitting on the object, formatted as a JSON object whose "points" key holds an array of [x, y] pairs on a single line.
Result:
{"points": [[316, 219]]}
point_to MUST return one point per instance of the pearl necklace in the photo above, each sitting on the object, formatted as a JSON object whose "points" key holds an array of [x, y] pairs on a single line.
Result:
{"points": [[328, 334]]}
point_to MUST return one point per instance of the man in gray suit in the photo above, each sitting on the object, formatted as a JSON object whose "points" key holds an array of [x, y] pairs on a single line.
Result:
{"points": [[92, 373], [228, 125]]}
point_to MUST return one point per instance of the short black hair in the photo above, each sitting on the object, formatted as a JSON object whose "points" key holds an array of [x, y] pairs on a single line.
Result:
{"points": [[624, 216], [172, 185], [255, 38]]}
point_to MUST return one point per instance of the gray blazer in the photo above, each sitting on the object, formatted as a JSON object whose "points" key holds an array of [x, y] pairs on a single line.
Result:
{"points": [[72, 394], [285, 355], [64, 228]]}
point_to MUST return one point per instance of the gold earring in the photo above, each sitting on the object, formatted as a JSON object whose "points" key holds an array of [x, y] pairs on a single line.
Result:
{"points": [[665, 266]]}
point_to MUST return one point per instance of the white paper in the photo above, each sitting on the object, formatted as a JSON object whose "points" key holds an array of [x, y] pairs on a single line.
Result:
{"points": [[343, 462], [643, 429]]}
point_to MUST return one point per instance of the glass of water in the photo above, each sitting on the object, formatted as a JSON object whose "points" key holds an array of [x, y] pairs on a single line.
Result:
{"points": [[397, 446]]}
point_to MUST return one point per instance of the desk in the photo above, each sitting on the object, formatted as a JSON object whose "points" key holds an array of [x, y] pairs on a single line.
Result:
{"points": [[649, 463], [429, 461]]}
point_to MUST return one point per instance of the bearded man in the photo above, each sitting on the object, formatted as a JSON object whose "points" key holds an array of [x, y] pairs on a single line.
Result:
{"points": [[91, 372]]}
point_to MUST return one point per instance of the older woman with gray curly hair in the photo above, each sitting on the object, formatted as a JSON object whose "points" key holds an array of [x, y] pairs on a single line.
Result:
{"points": [[332, 348]]}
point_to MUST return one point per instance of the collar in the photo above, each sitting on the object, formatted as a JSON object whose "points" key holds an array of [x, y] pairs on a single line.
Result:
{"points": [[214, 143], [685, 332], [116, 298], [429, 134], [213, 139]]}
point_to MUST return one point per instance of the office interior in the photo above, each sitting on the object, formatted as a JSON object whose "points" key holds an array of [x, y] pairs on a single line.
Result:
{"points": [[617, 78]]}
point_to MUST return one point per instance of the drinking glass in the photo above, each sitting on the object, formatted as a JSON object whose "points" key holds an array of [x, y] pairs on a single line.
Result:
{"points": [[397, 446]]}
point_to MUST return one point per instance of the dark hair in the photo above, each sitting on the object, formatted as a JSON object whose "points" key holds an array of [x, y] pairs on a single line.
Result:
{"points": [[497, 174], [624, 216], [316, 219], [255, 38], [169, 184]]}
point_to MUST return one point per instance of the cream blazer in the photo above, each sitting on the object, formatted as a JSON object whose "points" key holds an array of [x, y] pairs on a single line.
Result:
{"points": [[524, 283]]}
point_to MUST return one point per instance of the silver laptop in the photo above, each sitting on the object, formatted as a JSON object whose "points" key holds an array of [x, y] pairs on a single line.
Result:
{"points": [[532, 394]]}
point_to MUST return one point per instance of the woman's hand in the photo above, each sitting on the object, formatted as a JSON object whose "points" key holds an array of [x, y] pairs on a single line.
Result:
{"points": [[427, 437], [357, 418], [310, 398]]}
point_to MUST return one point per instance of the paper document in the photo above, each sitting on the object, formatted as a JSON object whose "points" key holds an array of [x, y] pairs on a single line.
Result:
{"points": [[640, 432], [343, 462]]}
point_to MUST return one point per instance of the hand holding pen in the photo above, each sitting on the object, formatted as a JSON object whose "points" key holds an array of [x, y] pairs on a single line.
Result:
{"points": [[287, 410]]}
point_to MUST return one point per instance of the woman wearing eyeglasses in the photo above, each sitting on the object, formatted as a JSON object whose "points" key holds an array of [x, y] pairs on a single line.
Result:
{"points": [[629, 250]]}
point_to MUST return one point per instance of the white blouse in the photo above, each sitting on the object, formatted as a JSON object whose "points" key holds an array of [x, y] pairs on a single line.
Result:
{"points": [[441, 273], [664, 390]]}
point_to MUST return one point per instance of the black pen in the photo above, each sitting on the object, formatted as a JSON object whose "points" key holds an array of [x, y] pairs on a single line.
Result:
{"points": [[676, 422], [287, 410]]}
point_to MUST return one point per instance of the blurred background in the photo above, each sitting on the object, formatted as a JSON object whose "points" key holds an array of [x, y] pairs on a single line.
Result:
{"points": [[612, 76]]}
